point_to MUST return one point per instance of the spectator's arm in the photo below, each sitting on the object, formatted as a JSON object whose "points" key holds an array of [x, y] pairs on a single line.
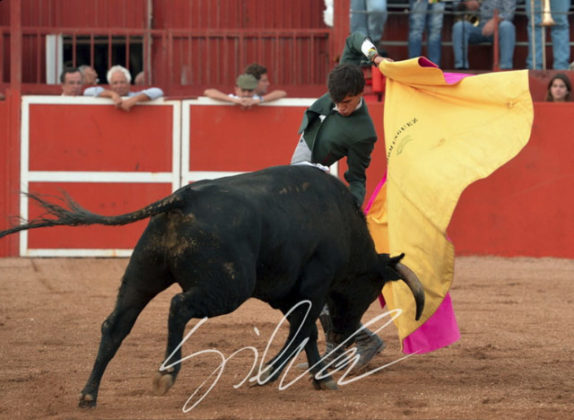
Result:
{"points": [[274, 95], [220, 96], [93, 91], [128, 103], [100, 92], [152, 93]]}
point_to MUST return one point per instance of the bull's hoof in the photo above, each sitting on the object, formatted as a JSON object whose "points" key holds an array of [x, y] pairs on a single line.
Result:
{"points": [[87, 401], [302, 366], [162, 383], [324, 384], [264, 378]]}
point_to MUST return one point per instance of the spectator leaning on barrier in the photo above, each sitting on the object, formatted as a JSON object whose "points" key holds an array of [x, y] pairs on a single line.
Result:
{"points": [[465, 32], [244, 95], [71, 80], [119, 79], [263, 83], [89, 75]]}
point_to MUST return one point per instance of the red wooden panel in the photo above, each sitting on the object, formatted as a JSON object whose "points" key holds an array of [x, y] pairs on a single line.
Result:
{"points": [[233, 14], [194, 64], [102, 198], [527, 206], [4, 13], [100, 138], [228, 138], [77, 14], [9, 169]]}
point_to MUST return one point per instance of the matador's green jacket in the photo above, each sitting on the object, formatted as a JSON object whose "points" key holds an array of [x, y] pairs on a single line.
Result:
{"points": [[337, 136]]}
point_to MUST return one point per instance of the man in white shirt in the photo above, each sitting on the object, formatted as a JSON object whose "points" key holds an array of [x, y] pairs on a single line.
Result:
{"points": [[119, 79]]}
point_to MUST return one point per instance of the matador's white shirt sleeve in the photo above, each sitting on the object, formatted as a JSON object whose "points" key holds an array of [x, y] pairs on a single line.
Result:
{"points": [[366, 46]]}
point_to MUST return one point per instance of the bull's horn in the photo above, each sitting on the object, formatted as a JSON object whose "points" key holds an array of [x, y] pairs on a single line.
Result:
{"points": [[411, 279]]}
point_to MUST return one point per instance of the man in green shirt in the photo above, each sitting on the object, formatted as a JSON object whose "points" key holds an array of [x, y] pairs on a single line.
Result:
{"points": [[336, 125]]}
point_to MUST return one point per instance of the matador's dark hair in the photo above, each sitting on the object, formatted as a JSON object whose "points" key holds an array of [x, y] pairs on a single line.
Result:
{"points": [[345, 80]]}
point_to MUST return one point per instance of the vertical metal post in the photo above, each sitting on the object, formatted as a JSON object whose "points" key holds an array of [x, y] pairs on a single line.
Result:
{"points": [[16, 45], [495, 44], [128, 52], [543, 42], [10, 147], [532, 35], [147, 41]]}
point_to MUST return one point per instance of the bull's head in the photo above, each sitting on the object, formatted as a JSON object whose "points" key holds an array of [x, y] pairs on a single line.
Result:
{"points": [[393, 269]]}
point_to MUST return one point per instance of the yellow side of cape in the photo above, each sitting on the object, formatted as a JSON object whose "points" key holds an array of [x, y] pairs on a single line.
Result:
{"points": [[440, 138]]}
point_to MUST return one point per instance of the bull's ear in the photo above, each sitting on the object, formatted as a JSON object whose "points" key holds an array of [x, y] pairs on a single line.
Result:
{"points": [[388, 267]]}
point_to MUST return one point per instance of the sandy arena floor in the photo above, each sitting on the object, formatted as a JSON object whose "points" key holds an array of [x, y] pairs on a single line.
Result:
{"points": [[515, 358]]}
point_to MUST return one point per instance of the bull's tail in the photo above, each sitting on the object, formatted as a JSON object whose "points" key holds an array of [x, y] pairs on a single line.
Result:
{"points": [[72, 214]]}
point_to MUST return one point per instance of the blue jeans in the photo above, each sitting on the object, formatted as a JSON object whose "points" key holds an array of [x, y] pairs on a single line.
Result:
{"points": [[560, 34], [425, 16], [464, 33], [369, 17]]}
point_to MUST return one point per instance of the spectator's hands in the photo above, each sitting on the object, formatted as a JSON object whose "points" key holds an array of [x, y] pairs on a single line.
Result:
{"points": [[116, 99], [246, 103], [127, 103], [488, 28], [249, 102]]}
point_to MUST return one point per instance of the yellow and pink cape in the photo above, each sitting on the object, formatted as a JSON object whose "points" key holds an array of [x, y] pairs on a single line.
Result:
{"points": [[443, 131]]}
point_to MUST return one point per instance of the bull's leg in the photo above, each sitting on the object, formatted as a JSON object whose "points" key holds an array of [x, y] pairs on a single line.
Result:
{"points": [[313, 286], [198, 302], [300, 328], [139, 285]]}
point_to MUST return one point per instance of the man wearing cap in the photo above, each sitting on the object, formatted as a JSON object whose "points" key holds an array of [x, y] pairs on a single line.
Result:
{"points": [[263, 83], [244, 95]]}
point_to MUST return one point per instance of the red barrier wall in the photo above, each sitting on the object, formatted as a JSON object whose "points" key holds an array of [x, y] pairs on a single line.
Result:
{"points": [[224, 138], [113, 162], [99, 138], [527, 206], [9, 167], [108, 160]]}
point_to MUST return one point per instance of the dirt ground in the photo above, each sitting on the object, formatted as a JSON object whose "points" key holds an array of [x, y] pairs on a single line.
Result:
{"points": [[515, 358]]}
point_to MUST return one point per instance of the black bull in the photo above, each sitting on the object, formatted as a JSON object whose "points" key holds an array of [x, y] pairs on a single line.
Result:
{"points": [[283, 235]]}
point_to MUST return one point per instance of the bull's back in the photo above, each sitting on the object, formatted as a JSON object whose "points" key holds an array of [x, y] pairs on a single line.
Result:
{"points": [[276, 219], [279, 199]]}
